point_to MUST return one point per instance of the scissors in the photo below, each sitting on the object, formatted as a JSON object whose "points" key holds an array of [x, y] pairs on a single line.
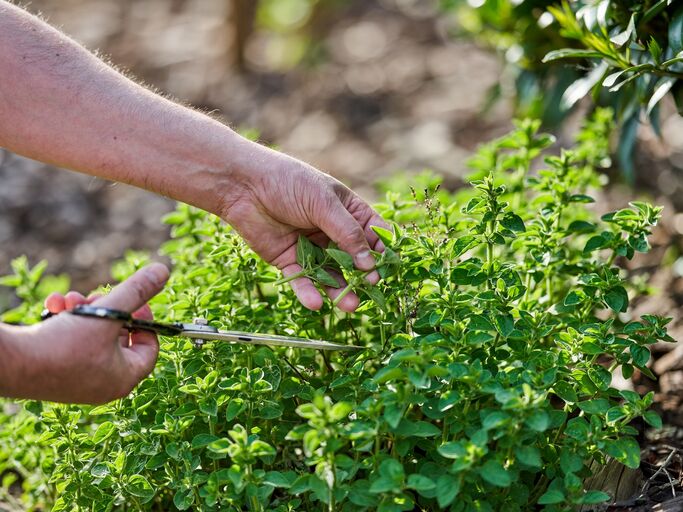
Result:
{"points": [[200, 331]]}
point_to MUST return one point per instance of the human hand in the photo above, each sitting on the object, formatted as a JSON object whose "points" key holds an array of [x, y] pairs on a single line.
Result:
{"points": [[83, 360], [284, 198]]}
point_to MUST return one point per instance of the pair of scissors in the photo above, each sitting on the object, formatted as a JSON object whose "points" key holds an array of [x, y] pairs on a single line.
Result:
{"points": [[200, 331]]}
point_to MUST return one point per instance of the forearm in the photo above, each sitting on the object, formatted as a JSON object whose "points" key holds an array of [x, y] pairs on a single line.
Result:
{"points": [[62, 105], [13, 362]]}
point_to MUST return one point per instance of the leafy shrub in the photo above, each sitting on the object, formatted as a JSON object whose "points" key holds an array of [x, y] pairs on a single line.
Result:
{"points": [[627, 54], [486, 383]]}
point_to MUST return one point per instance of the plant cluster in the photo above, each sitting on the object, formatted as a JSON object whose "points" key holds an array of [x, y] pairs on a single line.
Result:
{"points": [[627, 54], [485, 383]]}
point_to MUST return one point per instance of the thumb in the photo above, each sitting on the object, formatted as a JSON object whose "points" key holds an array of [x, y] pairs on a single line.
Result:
{"points": [[343, 229], [135, 291]]}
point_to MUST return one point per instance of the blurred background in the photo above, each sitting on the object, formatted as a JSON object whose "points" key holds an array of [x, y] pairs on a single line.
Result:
{"points": [[358, 88]]}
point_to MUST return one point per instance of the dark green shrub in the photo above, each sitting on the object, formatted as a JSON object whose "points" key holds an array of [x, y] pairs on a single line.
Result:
{"points": [[486, 383], [626, 54]]}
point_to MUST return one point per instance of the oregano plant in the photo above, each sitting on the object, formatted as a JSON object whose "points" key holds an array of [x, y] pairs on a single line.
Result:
{"points": [[485, 383]]}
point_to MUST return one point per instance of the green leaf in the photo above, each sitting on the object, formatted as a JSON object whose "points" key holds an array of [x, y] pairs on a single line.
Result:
{"points": [[343, 259], [505, 324], [617, 299], [571, 53], [578, 429], [494, 420], [236, 406], [393, 413], [377, 296], [279, 479], [573, 298], [99, 470], [104, 432], [676, 31], [570, 462], [463, 244], [393, 469], [595, 406], [529, 456], [580, 226], [581, 87], [60, 505], [565, 392], [202, 440], [386, 236], [653, 419], [661, 89], [538, 421], [494, 473], [451, 450], [640, 355], [389, 373], [323, 277], [551, 497], [447, 488], [626, 147], [209, 406], [305, 252], [409, 428], [627, 35], [593, 243], [594, 497], [513, 222], [220, 446], [420, 483], [140, 487], [260, 448], [480, 323], [383, 484], [340, 411], [626, 450], [183, 498]]}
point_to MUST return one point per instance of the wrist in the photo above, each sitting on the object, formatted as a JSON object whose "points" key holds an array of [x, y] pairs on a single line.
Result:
{"points": [[244, 170], [213, 171]]}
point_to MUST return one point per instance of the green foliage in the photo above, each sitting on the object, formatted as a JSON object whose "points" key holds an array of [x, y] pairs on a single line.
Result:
{"points": [[626, 54], [486, 383]]}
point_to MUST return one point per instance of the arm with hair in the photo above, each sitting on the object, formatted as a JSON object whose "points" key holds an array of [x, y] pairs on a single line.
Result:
{"points": [[60, 104]]}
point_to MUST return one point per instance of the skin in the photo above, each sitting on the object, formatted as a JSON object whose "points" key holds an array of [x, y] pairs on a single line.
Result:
{"points": [[62, 105]]}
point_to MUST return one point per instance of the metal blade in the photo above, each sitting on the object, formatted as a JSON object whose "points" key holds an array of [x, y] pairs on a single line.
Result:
{"points": [[249, 338]]}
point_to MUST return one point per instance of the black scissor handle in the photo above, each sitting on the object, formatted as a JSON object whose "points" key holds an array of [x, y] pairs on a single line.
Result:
{"points": [[130, 323]]}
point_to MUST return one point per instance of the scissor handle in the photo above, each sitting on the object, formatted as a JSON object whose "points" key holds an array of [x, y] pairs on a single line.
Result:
{"points": [[130, 323]]}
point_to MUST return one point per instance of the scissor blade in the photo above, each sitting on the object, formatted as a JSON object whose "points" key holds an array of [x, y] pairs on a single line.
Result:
{"points": [[268, 339]]}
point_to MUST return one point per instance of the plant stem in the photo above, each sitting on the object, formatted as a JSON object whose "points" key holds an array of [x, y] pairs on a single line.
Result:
{"points": [[289, 278], [343, 294]]}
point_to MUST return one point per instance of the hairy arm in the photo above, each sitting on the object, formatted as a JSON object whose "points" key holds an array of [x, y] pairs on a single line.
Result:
{"points": [[62, 105]]}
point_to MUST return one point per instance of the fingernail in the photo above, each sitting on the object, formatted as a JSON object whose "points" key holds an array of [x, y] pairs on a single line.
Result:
{"points": [[365, 261], [373, 277], [379, 246], [157, 273]]}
